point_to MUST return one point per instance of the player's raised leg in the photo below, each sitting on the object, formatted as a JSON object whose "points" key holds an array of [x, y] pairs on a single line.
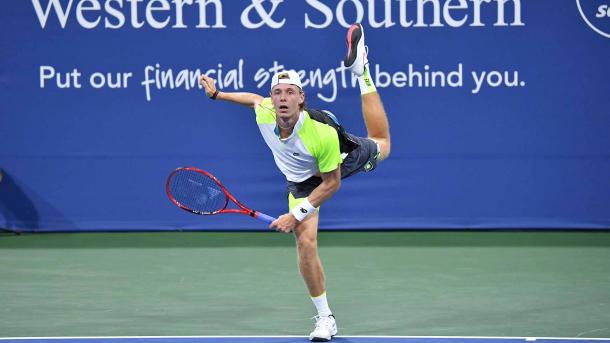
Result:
{"points": [[375, 117]]}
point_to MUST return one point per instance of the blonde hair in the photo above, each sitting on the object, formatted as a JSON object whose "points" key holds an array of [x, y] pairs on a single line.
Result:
{"points": [[302, 105]]}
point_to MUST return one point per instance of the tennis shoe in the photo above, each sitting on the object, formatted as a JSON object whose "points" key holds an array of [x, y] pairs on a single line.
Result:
{"points": [[356, 58], [325, 329]]}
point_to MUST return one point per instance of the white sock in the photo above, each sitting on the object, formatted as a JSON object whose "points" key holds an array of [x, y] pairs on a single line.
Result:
{"points": [[366, 81], [321, 305]]}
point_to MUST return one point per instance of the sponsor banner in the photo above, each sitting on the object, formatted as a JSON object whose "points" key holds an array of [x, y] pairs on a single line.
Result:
{"points": [[497, 108]]}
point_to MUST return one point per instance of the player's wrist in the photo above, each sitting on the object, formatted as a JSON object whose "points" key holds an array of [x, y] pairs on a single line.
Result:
{"points": [[213, 96], [302, 210]]}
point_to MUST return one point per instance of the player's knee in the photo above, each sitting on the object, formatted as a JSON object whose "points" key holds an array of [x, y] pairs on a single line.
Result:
{"points": [[384, 147], [307, 245], [384, 151]]}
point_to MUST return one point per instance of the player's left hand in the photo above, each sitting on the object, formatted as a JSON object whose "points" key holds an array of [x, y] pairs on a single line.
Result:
{"points": [[208, 84], [285, 223]]}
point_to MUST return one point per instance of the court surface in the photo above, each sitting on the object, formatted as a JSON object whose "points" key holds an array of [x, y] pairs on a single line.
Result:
{"points": [[171, 285], [294, 339]]}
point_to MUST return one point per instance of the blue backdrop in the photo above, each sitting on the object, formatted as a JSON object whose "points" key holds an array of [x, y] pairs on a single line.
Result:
{"points": [[499, 110]]}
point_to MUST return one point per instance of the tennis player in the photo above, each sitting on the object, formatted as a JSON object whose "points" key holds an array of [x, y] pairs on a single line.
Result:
{"points": [[314, 153]]}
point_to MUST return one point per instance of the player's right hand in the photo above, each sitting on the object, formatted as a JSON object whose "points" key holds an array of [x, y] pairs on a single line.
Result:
{"points": [[208, 84], [285, 223]]}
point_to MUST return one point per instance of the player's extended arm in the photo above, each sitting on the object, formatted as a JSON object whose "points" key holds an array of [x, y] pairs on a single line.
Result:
{"points": [[247, 99]]}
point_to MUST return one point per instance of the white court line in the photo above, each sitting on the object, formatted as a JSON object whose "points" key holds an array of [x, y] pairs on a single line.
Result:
{"points": [[406, 337]]}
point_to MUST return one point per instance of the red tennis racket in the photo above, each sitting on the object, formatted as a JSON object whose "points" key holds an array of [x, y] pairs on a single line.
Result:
{"points": [[199, 192]]}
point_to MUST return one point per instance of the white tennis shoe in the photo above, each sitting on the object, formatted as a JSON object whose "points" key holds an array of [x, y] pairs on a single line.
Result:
{"points": [[356, 58], [326, 328]]}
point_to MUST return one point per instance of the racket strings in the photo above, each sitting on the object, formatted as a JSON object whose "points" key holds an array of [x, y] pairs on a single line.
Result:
{"points": [[197, 191]]}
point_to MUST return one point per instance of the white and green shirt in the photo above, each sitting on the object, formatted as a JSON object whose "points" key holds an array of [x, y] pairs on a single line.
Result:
{"points": [[312, 148]]}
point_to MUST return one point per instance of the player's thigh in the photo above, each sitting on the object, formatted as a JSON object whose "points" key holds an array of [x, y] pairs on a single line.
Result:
{"points": [[306, 232]]}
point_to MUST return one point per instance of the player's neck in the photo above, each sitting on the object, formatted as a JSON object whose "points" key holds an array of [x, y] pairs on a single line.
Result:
{"points": [[286, 125], [285, 133]]}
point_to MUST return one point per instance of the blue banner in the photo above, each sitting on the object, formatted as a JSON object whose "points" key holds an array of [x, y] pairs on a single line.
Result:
{"points": [[498, 110]]}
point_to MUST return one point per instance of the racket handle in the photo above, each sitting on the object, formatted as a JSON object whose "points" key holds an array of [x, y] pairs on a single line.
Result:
{"points": [[267, 219]]}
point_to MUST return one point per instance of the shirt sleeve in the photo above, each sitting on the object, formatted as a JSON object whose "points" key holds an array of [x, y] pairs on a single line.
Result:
{"points": [[328, 154], [265, 112]]}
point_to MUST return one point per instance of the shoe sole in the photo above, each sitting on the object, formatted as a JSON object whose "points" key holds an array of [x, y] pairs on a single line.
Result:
{"points": [[353, 36], [322, 339]]}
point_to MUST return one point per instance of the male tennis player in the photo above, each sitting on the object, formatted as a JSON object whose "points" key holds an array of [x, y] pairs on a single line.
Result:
{"points": [[314, 153]]}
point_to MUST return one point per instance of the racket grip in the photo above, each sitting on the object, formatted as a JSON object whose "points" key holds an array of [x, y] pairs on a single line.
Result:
{"points": [[267, 219]]}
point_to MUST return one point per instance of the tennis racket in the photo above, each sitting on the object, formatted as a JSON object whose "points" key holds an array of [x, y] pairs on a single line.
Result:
{"points": [[199, 192]]}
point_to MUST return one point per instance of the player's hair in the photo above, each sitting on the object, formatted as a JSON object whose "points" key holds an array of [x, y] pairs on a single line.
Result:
{"points": [[304, 104]]}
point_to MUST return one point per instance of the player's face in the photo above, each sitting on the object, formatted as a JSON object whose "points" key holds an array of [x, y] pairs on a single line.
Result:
{"points": [[286, 100]]}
